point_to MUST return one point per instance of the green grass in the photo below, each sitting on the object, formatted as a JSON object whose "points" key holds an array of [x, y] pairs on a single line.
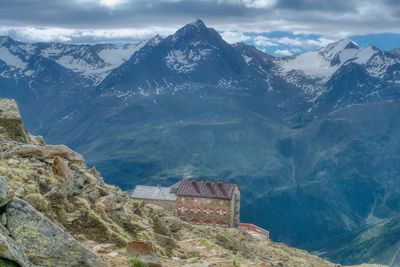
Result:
{"points": [[7, 263], [136, 262]]}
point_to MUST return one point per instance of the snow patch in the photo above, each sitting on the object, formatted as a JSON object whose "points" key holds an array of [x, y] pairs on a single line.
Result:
{"points": [[247, 58], [185, 61], [11, 59]]}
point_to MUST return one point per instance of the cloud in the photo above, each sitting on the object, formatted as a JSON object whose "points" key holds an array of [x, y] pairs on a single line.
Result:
{"points": [[33, 34], [251, 3], [111, 3], [283, 52], [263, 41], [234, 18], [234, 36]]}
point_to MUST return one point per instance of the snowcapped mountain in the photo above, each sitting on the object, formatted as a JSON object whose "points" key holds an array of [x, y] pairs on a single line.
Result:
{"points": [[92, 62], [189, 55], [312, 70]]}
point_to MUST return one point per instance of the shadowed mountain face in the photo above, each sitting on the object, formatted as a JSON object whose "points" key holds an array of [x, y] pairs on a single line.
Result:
{"points": [[311, 139]]}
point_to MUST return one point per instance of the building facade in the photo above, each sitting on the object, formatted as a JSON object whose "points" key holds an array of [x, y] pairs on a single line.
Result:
{"points": [[156, 195], [209, 203], [198, 202]]}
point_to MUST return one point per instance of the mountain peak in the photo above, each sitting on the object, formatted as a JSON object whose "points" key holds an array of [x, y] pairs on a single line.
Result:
{"points": [[339, 52], [6, 40], [196, 30], [340, 45], [198, 23]]}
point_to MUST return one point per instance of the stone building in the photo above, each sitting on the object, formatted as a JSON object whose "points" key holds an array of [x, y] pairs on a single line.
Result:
{"points": [[156, 195], [198, 202], [208, 202]]}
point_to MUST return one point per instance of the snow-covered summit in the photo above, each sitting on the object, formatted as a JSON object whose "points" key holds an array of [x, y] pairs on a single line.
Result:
{"points": [[322, 64], [92, 62]]}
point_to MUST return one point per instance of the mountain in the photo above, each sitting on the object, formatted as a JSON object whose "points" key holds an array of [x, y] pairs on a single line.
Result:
{"points": [[311, 139], [49, 77], [396, 51], [55, 211]]}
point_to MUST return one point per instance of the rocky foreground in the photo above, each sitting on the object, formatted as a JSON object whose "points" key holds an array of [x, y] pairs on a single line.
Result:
{"points": [[55, 211]]}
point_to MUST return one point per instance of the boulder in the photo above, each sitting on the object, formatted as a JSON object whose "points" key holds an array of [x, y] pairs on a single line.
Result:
{"points": [[103, 248], [60, 168], [4, 196], [11, 126], [159, 227], [44, 242], [48, 152], [37, 139], [64, 152], [110, 203], [139, 248], [10, 250], [174, 224], [151, 260]]}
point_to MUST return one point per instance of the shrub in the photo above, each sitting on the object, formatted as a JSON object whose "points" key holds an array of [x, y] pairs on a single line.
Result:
{"points": [[136, 262], [7, 263]]}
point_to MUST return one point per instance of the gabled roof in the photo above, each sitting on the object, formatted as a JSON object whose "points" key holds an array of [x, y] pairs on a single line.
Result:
{"points": [[153, 193], [207, 189]]}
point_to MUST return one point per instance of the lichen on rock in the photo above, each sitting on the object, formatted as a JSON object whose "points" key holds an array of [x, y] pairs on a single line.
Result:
{"points": [[11, 126]]}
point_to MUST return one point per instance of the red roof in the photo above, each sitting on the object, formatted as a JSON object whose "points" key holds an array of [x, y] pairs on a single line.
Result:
{"points": [[207, 189]]}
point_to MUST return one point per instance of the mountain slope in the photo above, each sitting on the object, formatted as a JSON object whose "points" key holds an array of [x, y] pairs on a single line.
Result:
{"points": [[57, 212]]}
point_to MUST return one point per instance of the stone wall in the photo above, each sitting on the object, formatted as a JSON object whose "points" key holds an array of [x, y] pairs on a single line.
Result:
{"points": [[235, 207], [209, 211], [168, 206]]}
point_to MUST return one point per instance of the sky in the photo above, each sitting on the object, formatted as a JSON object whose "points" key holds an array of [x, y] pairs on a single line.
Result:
{"points": [[278, 27]]}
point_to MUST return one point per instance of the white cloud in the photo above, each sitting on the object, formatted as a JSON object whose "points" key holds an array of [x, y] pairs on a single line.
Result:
{"points": [[35, 34], [320, 42], [234, 36], [263, 41], [105, 3], [283, 52], [289, 41], [111, 3], [251, 3]]}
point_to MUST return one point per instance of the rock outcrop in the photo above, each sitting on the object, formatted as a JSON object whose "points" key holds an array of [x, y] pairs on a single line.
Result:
{"points": [[10, 250], [4, 196], [45, 243], [11, 126]]}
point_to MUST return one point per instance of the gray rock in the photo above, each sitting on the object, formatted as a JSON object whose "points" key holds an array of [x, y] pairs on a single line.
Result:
{"points": [[45, 243], [110, 203], [10, 250], [48, 152], [151, 260], [3, 190], [3, 219], [173, 223], [5, 196], [11, 126], [159, 227]]}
